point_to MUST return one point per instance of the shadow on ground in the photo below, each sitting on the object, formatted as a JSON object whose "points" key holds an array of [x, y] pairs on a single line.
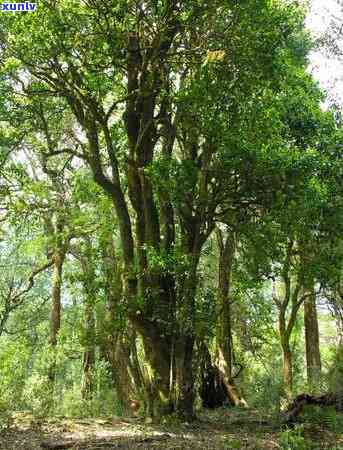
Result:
{"points": [[220, 429]]}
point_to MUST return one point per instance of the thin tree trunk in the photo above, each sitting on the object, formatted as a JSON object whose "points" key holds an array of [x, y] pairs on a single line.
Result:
{"points": [[287, 370], [288, 306], [224, 332], [89, 352], [313, 359], [55, 314], [89, 293], [287, 357]]}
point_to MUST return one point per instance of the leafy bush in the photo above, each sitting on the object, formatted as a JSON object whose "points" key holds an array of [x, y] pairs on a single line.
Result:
{"points": [[14, 358], [335, 375], [73, 405], [327, 417], [262, 384], [37, 395], [293, 439], [5, 413], [103, 402]]}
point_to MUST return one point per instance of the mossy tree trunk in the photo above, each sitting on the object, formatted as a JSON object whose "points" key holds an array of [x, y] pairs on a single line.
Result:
{"points": [[117, 336], [58, 258]]}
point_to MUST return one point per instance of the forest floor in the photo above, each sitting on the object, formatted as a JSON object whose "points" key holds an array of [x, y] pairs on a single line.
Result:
{"points": [[219, 429]]}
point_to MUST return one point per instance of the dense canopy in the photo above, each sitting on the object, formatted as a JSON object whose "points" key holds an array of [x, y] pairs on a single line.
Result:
{"points": [[171, 209]]}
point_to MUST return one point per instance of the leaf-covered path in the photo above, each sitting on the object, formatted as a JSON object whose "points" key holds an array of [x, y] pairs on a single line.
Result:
{"points": [[222, 429]]}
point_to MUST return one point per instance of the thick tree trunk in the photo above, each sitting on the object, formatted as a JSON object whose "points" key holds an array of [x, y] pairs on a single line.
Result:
{"points": [[157, 350], [120, 338], [185, 336], [154, 320], [119, 357], [224, 332], [135, 367], [212, 391], [313, 360], [184, 348], [230, 386]]}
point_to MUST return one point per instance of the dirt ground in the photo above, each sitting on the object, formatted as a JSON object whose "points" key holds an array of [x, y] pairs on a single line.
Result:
{"points": [[220, 429]]}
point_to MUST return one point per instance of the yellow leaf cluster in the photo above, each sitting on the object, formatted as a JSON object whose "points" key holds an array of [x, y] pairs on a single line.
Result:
{"points": [[215, 56]]}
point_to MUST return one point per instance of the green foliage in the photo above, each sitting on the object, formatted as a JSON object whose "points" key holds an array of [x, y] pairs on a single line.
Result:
{"points": [[37, 395], [6, 409], [326, 417], [233, 443], [103, 402], [335, 373], [293, 439], [14, 358], [263, 382], [219, 124]]}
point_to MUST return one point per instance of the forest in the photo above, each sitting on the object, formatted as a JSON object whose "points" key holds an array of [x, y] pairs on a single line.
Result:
{"points": [[171, 227]]}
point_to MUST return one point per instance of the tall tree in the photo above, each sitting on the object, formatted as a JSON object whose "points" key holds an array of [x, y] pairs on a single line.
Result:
{"points": [[170, 105]]}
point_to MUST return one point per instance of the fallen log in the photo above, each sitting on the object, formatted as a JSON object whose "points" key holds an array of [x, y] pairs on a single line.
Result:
{"points": [[302, 400]]}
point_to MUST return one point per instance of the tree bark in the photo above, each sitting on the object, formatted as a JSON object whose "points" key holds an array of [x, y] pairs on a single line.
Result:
{"points": [[120, 338], [288, 306], [55, 314], [212, 391], [184, 338], [223, 330], [89, 298], [87, 386], [313, 359], [184, 377], [287, 369], [119, 357]]}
